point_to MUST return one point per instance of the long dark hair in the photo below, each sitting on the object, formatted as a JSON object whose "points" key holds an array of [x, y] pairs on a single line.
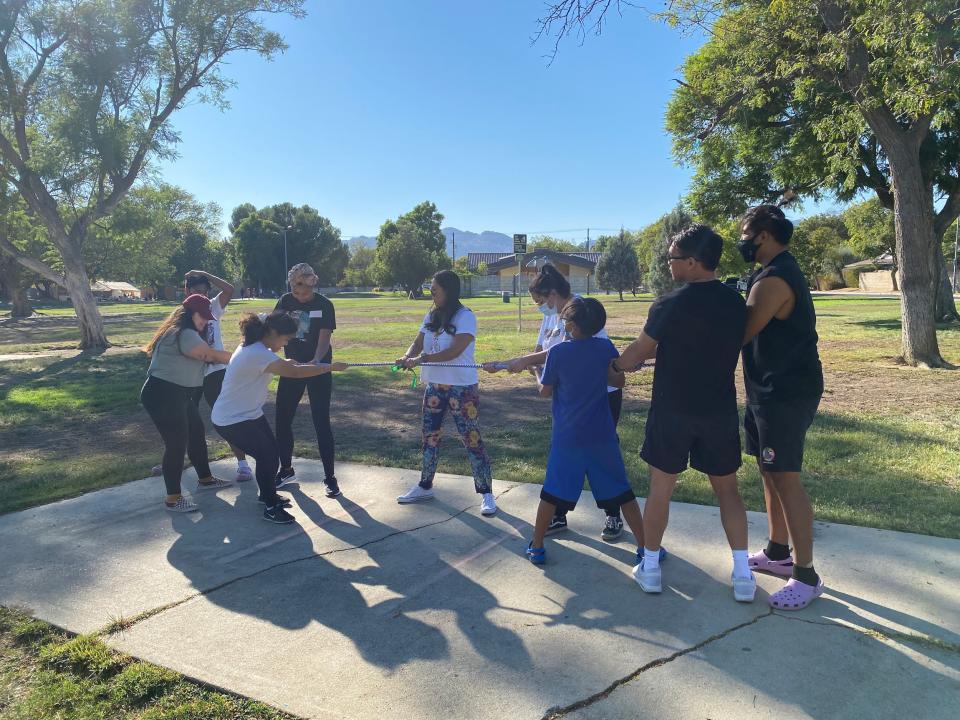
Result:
{"points": [[441, 318], [549, 278], [180, 319], [254, 328]]}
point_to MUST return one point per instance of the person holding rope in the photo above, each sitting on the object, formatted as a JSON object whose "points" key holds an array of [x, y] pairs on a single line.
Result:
{"points": [[238, 413], [316, 321], [448, 336], [550, 290], [584, 439], [784, 382], [695, 333], [200, 282], [178, 354]]}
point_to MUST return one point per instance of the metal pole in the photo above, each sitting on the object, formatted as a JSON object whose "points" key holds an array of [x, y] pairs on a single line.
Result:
{"points": [[519, 294], [286, 265], [453, 239]]}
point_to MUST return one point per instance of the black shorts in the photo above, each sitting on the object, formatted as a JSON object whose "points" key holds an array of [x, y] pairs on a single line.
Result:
{"points": [[776, 432], [212, 385], [711, 443]]}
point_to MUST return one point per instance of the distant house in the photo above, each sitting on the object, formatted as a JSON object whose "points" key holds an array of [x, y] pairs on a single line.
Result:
{"points": [[113, 290], [877, 275], [578, 267]]}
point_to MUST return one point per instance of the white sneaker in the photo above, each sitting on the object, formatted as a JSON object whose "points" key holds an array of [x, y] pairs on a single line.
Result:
{"points": [[488, 506], [183, 505], [244, 473], [648, 580], [415, 494], [744, 588]]}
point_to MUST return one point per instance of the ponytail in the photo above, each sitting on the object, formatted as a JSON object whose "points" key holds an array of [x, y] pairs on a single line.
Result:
{"points": [[549, 278], [254, 327]]}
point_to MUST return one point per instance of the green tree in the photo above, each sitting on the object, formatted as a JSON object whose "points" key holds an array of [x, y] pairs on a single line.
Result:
{"points": [[871, 230], [401, 256], [819, 245], [821, 97], [619, 269], [360, 268], [22, 231], [545, 242], [87, 88], [310, 238], [659, 279]]}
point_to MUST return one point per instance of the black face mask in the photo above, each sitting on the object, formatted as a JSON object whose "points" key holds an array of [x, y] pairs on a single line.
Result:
{"points": [[748, 249]]}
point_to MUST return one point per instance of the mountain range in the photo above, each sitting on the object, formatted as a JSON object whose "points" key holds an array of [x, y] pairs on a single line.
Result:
{"points": [[467, 242]]}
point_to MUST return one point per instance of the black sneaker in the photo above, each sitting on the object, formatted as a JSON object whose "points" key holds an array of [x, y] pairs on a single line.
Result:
{"points": [[284, 500], [277, 514], [285, 477], [558, 524], [333, 488], [612, 528]]}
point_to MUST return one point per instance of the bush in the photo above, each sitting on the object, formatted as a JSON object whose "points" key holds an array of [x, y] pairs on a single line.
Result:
{"points": [[851, 278]]}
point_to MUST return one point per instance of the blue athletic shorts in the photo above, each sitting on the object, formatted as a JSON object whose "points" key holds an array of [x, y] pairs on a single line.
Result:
{"points": [[602, 465]]}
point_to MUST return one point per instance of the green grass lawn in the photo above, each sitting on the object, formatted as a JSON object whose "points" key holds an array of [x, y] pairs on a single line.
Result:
{"points": [[44, 673], [884, 450]]}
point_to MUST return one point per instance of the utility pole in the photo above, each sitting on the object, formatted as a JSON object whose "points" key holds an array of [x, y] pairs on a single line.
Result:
{"points": [[453, 239], [588, 239], [286, 265]]}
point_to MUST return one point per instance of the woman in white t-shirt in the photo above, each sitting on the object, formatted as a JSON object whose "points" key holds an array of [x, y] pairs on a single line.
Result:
{"points": [[238, 412], [448, 335], [550, 290]]}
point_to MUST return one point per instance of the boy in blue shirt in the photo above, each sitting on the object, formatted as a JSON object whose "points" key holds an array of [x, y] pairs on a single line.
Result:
{"points": [[584, 441]]}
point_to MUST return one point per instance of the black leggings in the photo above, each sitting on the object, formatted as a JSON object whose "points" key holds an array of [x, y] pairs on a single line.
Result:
{"points": [[616, 405], [173, 409], [256, 439], [289, 392]]}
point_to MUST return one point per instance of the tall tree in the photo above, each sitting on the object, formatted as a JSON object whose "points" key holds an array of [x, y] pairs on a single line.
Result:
{"points": [[22, 231], [360, 268], [825, 96], [659, 279], [310, 238], [87, 88], [870, 228], [545, 242], [417, 233], [820, 245], [619, 269]]}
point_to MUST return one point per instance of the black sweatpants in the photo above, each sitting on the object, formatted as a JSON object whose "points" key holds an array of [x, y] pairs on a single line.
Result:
{"points": [[256, 439], [173, 409], [289, 393], [616, 406]]}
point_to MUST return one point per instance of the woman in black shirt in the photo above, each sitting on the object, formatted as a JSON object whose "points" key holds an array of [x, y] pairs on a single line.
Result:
{"points": [[316, 322]]}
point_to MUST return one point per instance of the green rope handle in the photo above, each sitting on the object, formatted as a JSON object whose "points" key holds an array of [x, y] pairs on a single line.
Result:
{"points": [[397, 368]]}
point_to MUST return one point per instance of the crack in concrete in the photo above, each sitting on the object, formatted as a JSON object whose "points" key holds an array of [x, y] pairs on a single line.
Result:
{"points": [[922, 639], [558, 712], [123, 624]]}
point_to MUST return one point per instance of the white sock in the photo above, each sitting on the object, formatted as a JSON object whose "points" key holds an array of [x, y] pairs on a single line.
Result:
{"points": [[242, 464], [741, 568], [651, 559]]}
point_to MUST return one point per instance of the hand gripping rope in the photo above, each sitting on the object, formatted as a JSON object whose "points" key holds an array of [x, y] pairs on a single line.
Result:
{"points": [[397, 368]]}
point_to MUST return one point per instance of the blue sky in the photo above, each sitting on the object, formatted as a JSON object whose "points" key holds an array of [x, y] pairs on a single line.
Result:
{"points": [[379, 105]]}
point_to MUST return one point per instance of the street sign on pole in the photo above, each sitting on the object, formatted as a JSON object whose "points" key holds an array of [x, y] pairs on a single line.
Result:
{"points": [[519, 249]]}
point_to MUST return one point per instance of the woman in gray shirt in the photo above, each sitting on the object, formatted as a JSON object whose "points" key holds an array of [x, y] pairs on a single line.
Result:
{"points": [[178, 355]]}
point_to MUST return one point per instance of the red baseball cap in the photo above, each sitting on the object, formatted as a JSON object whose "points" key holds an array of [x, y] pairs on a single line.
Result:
{"points": [[199, 304]]}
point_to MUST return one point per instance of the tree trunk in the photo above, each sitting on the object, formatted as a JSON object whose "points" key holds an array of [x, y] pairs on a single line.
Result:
{"points": [[913, 218], [621, 300], [11, 280], [946, 308], [92, 336], [21, 304]]}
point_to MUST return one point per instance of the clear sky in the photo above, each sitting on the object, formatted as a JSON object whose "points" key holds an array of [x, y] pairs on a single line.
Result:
{"points": [[379, 105]]}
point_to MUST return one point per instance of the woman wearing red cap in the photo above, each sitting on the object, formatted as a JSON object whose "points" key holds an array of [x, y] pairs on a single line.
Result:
{"points": [[178, 354]]}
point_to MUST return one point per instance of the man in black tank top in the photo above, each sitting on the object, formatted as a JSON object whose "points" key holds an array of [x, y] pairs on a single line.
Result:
{"points": [[784, 381]]}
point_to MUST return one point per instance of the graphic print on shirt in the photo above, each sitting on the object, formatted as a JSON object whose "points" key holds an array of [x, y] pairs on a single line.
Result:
{"points": [[557, 332], [210, 335], [302, 318]]}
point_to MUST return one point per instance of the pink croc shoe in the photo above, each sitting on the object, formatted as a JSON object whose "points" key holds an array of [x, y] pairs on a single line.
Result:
{"points": [[795, 595], [759, 562]]}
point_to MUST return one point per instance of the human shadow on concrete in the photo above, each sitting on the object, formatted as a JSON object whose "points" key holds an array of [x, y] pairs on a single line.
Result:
{"points": [[304, 587]]}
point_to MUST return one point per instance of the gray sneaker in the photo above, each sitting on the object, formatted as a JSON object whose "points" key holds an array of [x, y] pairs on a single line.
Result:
{"points": [[612, 528], [183, 505]]}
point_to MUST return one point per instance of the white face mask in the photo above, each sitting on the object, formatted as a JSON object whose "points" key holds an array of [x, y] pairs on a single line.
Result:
{"points": [[545, 308]]}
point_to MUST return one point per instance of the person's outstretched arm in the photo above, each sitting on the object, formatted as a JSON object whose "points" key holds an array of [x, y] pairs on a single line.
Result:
{"points": [[293, 369]]}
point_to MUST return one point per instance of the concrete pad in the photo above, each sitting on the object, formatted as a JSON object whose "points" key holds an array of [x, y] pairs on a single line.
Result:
{"points": [[845, 674], [366, 607]]}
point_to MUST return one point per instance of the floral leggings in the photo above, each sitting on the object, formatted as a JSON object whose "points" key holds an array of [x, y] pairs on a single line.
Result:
{"points": [[463, 402]]}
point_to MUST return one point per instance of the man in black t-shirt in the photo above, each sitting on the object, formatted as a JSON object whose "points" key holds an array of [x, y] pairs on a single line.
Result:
{"points": [[784, 383], [316, 322], [696, 333]]}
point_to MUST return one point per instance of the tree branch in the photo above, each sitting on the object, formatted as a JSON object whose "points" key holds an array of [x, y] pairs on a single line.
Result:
{"points": [[30, 263], [948, 213]]}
